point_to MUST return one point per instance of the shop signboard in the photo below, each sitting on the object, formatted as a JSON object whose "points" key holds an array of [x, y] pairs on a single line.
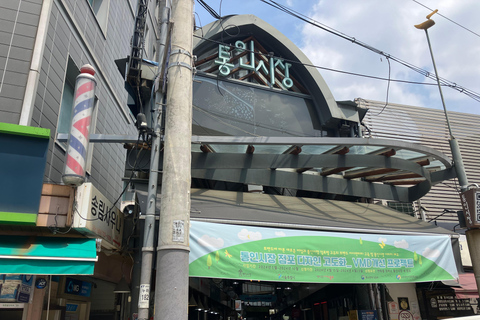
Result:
{"points": [[245, 54], [362, 315], [443, 304], [96, 216], [77, 287], [24, 155], [9, 305], [471, 207], [272, 254], [367, 315]]}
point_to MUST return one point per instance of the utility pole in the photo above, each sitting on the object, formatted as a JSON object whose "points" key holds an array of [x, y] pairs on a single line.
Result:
{"points": [[171, 297], [473, 234], [149, 227]]}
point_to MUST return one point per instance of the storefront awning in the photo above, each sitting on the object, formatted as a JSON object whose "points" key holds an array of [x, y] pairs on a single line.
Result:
{"points": [[467, 286], [299, 213], [47, 255]]}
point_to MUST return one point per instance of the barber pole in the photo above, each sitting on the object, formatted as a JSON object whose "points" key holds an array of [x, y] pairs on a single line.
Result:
{"points": [[84, 99]]}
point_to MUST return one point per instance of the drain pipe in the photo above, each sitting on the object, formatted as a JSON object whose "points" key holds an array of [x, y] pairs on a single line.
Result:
{"points": [[36, 64], [372, 296], [379, 303]]}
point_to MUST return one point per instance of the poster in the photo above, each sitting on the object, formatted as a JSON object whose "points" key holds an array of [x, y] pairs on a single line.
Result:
{"points": [[15, 288], [403, 303], [273, 254], [393, 310]]}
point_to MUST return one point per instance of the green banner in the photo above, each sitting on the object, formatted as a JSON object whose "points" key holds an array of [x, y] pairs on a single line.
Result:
{"points": [[271, 254]]}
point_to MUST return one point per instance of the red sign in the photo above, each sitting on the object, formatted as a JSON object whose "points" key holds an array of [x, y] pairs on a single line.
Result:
{"points": [[405, 315]]}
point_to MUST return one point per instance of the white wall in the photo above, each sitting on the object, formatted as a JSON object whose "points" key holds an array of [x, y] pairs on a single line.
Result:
{"points": [[404, 290]]}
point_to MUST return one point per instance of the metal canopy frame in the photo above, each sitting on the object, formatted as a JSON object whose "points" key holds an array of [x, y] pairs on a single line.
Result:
{"points": [[379, 174]]}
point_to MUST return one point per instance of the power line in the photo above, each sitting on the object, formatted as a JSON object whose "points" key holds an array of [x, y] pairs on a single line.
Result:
{"points": [[426, 73], [209, 9], [478, 35], [324, 68]]}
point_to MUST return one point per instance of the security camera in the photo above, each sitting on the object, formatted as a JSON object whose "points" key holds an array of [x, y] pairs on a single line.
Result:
{"points": [[142, 125], [129, 210]]}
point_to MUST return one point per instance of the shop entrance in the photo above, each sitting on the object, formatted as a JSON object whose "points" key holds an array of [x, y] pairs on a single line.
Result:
{"points": [[227, 299]]}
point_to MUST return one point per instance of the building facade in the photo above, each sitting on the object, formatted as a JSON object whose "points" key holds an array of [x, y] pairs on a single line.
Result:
{"points": [[275, 157], [272, 149], [43, 45]]}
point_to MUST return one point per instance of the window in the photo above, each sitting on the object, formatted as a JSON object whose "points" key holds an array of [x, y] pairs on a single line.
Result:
{"points": [[404, 207], [67, 97], [100, 9], [234, 108], [65, 117]]}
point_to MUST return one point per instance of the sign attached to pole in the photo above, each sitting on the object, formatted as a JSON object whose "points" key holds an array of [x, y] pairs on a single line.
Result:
{"points": [[471, 207], [144, 300]]}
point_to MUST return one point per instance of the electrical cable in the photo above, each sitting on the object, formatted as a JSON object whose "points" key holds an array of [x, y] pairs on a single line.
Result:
{"points": [[209, 9], [200, 23], [388, 87], [439, 14], [325, 68], [123, 191], [131, 175], [221, 121], [453, 85]]}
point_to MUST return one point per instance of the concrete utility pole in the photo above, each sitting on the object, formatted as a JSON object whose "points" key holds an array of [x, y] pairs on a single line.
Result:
{"points": [[171, 289], [149, 227]]}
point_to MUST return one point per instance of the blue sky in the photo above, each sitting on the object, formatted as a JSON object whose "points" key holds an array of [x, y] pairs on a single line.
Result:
{"points": [[386, 25]]}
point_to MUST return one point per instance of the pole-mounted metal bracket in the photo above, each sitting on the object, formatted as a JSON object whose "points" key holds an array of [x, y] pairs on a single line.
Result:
{"points": [[181, 51], [180, 64]]}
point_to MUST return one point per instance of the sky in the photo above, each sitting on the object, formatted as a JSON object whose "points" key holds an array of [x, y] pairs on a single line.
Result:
{"points": [[387, 25]]}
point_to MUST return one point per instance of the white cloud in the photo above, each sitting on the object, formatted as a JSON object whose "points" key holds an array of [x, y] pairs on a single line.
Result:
{"points": [[401, 244], [390, 28], [430, 253], [280, 234], [382, 239], [207, 241], [244, 234]]}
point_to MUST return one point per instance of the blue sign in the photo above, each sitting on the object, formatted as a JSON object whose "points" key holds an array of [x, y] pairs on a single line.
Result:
{"points": [[41, 283], [78, 287], [367, 315], [71, 307], [25, 288]]}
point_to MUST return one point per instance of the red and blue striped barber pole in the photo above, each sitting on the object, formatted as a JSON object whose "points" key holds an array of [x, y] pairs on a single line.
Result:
{"points": [[84, 100]]}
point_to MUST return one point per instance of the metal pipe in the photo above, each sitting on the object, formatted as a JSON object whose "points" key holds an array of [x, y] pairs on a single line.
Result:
{"points": [[454, 147], [379, 303], [439, 86], [36, 64], [149, 227]]}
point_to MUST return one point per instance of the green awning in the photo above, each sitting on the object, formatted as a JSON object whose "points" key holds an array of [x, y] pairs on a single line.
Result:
{"points": [[47, 255]]}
